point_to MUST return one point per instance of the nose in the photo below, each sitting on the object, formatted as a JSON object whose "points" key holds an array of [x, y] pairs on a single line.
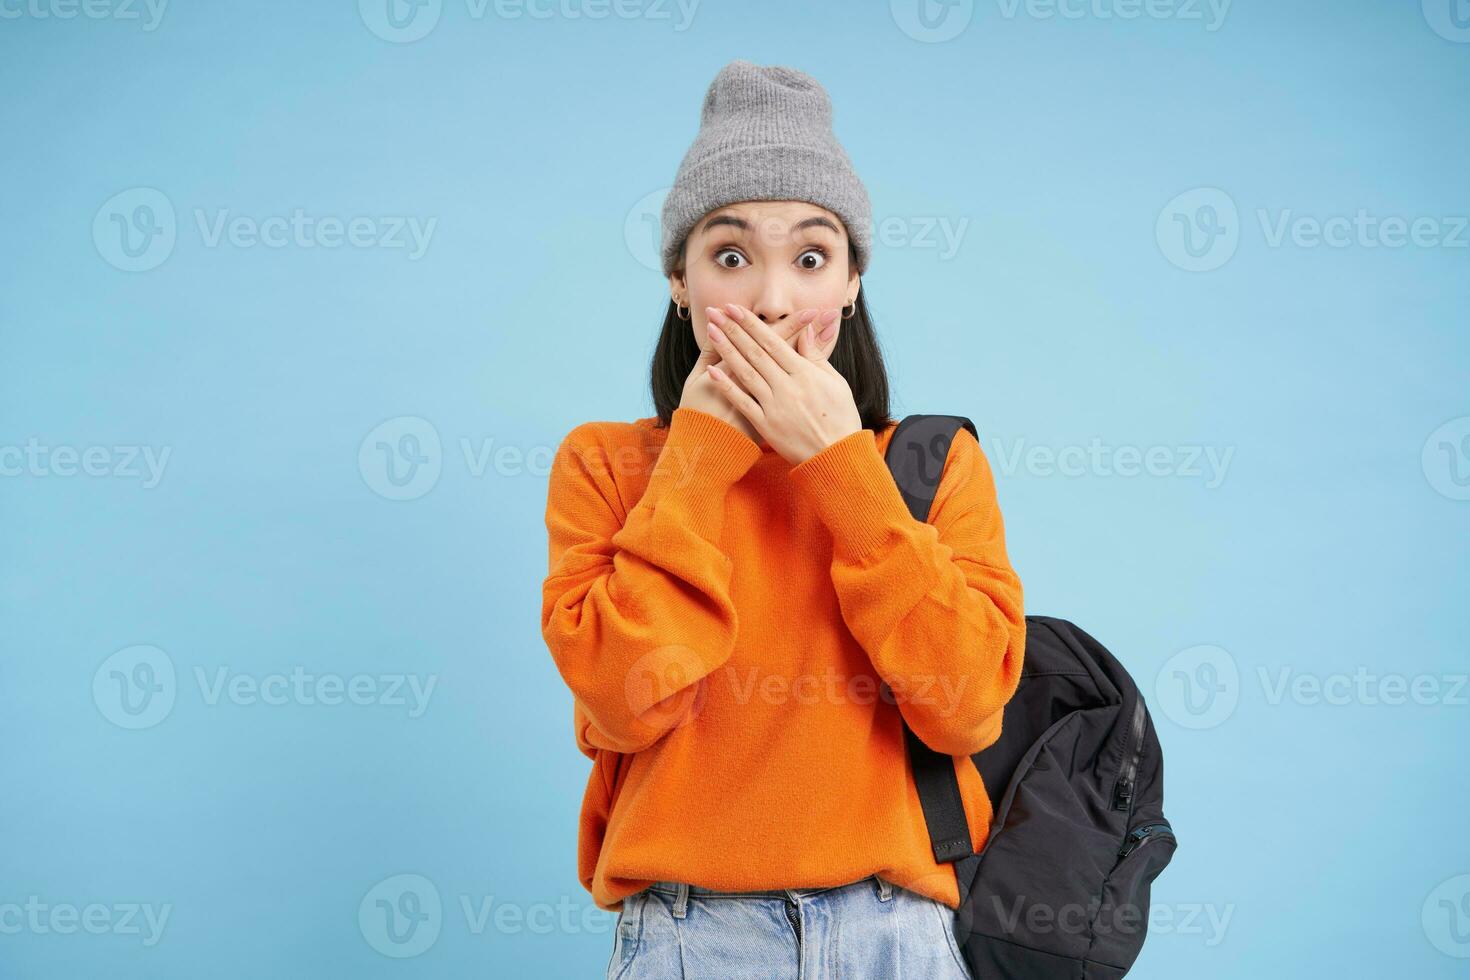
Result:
{"points": [[772, 302]]}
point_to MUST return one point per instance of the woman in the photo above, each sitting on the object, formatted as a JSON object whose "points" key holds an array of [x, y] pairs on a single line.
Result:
{"points": [[743, 607]]}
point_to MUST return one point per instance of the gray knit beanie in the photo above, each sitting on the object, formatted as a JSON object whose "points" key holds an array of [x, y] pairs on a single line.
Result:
{"points": [[765, 134]]}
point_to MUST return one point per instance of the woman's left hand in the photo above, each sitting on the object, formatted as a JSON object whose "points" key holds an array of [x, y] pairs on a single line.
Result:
{"points": [[798, 404]]}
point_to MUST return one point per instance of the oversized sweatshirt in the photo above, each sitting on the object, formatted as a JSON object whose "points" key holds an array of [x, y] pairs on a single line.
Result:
{"points": [[743, 640]]}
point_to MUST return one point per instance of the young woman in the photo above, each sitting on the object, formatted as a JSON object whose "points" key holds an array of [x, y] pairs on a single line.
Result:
{"points": [[743, 607]]}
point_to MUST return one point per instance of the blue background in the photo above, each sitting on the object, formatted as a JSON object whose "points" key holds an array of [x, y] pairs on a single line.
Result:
{"points": [[1329, 837]]}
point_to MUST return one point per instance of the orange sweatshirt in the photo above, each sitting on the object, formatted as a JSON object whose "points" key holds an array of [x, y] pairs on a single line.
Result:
{"points": [[740, 636]]}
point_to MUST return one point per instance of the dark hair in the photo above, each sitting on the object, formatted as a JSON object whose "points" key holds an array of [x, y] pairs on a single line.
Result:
{"points": [[856, 357]]}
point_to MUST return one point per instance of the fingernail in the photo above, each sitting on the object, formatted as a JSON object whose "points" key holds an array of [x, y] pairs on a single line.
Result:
{"points": [[829, 316], [810, 336], [828, 331], [733, 309], [714, 313], [715, 333]]}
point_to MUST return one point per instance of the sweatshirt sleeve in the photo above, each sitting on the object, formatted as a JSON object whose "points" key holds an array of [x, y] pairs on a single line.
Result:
{"points": [[636, 605], [935, 604]]}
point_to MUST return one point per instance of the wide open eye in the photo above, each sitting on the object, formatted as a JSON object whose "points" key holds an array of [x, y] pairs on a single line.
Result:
{"points": [[821, 255], [723, 263]]}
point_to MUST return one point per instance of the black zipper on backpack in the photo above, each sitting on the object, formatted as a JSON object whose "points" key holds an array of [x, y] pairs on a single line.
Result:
{"points": [[1139, 835], [1123, 788]]}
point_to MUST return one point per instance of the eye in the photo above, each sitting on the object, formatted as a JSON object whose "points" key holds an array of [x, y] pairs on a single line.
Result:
{"points": [[720, 261], [820, 253]]}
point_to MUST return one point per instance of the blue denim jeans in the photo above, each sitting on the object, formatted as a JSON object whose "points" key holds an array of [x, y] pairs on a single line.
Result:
{"points": [[867, 928]]}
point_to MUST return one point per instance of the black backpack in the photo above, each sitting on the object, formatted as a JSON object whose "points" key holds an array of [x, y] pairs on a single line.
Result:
{"points": [[1061, 888]]}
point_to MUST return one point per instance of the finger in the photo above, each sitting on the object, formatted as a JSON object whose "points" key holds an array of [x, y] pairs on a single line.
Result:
{"points": [[819, 349], [738, 397], [723, 332], [825, 327], [806, 344], [766, 351], [811, 349]]}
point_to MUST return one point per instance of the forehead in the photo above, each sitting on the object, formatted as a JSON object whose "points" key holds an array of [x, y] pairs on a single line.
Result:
{"points": [[771, 217]]}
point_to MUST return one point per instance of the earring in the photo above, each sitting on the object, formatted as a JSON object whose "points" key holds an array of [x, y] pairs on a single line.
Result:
{"points": [[846, 315], [683, 316]]}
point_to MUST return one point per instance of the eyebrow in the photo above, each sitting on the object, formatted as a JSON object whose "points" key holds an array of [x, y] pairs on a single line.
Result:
{"points": [[816, 221]]}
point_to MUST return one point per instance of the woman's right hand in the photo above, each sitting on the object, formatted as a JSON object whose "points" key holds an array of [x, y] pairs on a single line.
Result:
{"points": [[701, 392]]}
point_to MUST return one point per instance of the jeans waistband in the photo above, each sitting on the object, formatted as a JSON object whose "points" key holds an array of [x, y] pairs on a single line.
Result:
{"points": [[675, 888]]}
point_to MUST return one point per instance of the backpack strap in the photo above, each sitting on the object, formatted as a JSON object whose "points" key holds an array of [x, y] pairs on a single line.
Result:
{"points": [[916, 456]]}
